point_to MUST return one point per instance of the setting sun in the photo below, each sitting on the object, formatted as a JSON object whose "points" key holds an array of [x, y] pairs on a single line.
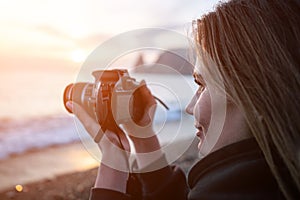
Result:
{"points": [[78, 55]]}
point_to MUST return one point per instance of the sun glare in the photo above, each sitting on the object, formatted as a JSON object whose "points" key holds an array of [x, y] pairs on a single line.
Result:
{"points": [[78, 55], [19, 188]]}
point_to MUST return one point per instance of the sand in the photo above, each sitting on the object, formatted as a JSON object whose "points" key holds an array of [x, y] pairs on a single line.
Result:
{"points": [[44, 164], [63, 172]]}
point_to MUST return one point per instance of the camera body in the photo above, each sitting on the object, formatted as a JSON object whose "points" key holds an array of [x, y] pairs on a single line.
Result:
{"points": [[110, 94]]}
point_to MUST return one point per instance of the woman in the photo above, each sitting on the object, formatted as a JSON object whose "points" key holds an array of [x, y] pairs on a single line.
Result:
{"points": [[249, 53]]}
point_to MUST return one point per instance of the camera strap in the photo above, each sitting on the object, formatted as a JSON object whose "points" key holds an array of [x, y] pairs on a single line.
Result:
{"points": [[161, 102]]}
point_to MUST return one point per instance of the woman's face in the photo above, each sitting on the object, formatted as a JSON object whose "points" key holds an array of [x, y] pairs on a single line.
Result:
{"points": [[234, 128]]}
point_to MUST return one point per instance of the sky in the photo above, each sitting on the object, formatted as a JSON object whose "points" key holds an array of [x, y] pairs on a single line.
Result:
{"points": [[43, 43], [39, 32]]}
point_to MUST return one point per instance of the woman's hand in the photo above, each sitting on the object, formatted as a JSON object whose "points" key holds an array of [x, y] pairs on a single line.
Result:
{"points": [[142, 113], [114, 146], [140, 127], [113, 133]]}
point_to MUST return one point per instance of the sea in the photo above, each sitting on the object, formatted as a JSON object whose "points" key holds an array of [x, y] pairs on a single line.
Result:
{"points": [[32, 114]]}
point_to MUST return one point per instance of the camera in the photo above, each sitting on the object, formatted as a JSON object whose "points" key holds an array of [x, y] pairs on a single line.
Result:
{"points": [[110, 94]]}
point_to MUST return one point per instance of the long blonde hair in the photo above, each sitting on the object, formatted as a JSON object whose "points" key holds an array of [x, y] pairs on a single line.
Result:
{"points": [[256, 46]]}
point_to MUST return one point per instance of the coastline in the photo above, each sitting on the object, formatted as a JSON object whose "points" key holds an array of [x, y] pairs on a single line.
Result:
{"points": [[47, 174], [44, 164]]}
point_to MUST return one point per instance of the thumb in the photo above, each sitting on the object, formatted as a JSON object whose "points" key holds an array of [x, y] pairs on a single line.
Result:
{"points": [[87, 121]]}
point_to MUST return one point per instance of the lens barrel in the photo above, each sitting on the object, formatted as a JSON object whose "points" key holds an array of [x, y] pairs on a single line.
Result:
{"points": [[68, 93]]}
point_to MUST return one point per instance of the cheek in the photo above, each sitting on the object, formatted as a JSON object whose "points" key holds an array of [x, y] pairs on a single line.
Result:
{"points": [[202, 110]]}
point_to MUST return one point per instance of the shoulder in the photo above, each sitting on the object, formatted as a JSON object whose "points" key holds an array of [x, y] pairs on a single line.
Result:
{"points": [[238, 171]]}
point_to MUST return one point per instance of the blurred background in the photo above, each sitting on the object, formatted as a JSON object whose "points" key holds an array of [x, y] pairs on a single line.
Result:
{"points": [[43, 45]]}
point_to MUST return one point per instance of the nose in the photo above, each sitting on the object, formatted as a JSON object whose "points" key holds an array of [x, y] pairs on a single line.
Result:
{"points": [[190, 107]]}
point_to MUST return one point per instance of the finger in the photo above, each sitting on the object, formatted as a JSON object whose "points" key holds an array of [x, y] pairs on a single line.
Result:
{"points": [[146, 93], [142, 101], [148, 117], [112, 154], [118, 139], [87, 121], [147, 96], [124, 141]]}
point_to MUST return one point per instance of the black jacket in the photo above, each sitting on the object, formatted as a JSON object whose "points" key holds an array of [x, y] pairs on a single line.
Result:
{"points": [[237, 171]]}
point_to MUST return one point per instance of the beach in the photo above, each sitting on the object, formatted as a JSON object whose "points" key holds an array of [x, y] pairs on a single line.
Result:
{"points": [[47, 175], [48, 158]]}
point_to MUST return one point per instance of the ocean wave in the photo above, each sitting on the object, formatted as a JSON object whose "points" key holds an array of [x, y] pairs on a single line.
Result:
{"points": [[20, 135]]}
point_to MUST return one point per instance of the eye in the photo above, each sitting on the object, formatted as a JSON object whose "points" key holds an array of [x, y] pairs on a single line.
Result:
{"points": [[200, 82]]}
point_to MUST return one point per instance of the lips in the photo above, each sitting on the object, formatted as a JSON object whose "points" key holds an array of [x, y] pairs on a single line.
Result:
{"points": [[200, 134]]}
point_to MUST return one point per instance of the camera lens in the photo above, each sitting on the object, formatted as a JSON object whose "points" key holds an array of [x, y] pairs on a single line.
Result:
{"points": [[82, 94], [68, 93]]}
